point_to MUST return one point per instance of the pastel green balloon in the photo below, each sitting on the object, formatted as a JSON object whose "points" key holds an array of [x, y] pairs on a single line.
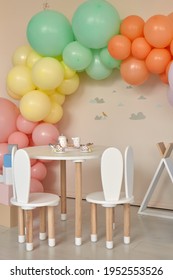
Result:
{"points": [[77, 56], [49, 32], [94, 23], [108, 60], [97, 70]]}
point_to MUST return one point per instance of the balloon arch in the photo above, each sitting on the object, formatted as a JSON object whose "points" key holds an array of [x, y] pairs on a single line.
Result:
{"points": [[96, 42]]}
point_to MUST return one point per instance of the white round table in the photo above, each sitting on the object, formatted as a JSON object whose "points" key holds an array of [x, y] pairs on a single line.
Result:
{"points": [[78, 157]]}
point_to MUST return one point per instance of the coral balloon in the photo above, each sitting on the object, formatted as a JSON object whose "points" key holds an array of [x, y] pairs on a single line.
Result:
{"points": [[55, 114], [20, 55], [69, 86], [132, 27], [140, 48], [157, 60], [24, 125], [3, 151], [45, 133], [49, 32], [47, 73], [134, 71], [35, 106], [38, 171], [158, 31], [18, 138], [36, 186], [94, 23], [19, 80], [8, 116], [119, 47]]}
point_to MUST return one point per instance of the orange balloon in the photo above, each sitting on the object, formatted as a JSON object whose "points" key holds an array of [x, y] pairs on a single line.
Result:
{"points": [[157, 60], [132, 27], [158, 31], [164, 78], [119, 47], [171, 47], [170, 16], [140, 48], [134, 71]]}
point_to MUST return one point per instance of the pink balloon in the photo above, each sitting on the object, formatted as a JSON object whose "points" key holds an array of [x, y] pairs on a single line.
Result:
{"points": [[45, 133], [24, 125], [36, 186], [38, 171], [8, 115], [18, 138], [3, 151]]}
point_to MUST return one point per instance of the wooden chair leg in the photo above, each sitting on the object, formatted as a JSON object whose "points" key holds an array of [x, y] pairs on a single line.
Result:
{"points": [[127, 223], [109, 231], [93, 222], [113, 219], [21, 225], [51, 226], [29, 230], [42, 213]]}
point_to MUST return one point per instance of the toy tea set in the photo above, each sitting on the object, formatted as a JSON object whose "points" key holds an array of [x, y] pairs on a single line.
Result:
{"points": [[63, 146]]}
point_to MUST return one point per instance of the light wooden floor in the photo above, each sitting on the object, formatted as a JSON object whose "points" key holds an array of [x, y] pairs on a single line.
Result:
{"points": [[151, 238]]}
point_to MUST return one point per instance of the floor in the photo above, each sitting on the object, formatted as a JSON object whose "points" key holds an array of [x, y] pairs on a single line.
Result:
{"points": [[151, 238]]}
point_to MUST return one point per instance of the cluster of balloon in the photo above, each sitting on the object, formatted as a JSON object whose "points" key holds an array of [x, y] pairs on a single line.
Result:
{"points": [[15, 129], [144, 47]]}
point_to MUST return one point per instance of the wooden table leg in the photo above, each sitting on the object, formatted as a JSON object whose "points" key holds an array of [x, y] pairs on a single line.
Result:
{"points": [[78, 203], [63, 190]]}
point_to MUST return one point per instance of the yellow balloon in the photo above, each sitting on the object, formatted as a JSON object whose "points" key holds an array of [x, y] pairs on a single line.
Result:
{"points": [[55, 114], [69, 86], [19, 80], [13, 95], [68, 72], [47, 73], [35, 105], [32, 58], [20, 55], [58, 98]]}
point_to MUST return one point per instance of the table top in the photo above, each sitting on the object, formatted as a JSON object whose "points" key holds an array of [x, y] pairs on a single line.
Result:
{"points": [[74, 154]]}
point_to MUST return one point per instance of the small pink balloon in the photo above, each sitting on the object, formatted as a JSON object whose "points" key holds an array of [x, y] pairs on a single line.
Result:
{"points": [[24, 125], [3, 151], [45, 133], [8, 116], [36, 186], [39, 171], [18, 138]]}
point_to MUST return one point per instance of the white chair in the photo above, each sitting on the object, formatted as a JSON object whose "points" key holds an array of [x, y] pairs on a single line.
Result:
{"points": [[112, 178], [27, 202]]}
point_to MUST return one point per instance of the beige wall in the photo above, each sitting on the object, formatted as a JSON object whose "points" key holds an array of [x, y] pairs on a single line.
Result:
{"points": [[120, 102]]}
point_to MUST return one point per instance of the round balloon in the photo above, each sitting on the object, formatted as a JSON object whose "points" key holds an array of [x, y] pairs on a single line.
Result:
{"points": [[119, 47], [134, 71], [36, 186], [38, 171], [108, 60], [94, 23], [24, 125], [45, 133], [140, 48], [20, 55], [8, 116], [68, 72], [158, 31], [157, 60], [69, 86], [32, 58], [19, 80], [49, 32], [77, 56], [132, 27], [35, 105], [47, 73], [18, 138], [55, 114]]}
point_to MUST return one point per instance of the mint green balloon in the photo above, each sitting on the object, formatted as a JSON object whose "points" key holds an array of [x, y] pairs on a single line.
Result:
{"points": [[94, 23], [97, 70], [108, 60], [49, 32], [76, 56]]}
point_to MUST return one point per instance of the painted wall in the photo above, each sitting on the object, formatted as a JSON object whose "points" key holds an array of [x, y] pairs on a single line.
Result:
{"points": [[108, 112]]}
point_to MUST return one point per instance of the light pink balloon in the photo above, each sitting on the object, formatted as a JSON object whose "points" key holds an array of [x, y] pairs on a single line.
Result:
{"points": [[3, 151], [24, 125], [45, 133], [39, 171], [18, 138], [36, 186], [8, 116]]}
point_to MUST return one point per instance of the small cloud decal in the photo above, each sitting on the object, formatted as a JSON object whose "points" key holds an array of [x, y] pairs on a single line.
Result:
{"points": [[138, 116]]}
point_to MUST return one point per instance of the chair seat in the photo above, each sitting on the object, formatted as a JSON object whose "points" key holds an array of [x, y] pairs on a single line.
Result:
{"points": [[98, 198], [38, 200]]}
